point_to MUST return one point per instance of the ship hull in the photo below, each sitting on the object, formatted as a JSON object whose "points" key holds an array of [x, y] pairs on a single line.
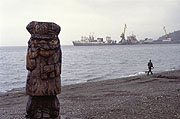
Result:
{"points": [[92, 44]]}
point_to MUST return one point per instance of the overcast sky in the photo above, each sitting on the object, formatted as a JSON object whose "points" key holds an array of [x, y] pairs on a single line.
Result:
{"points": [[144, 18]]}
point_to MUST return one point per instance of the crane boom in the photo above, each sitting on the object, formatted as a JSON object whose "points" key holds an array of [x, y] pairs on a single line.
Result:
{"points": [[125, 29], [165, 32], [123, 34], [167, 36]]}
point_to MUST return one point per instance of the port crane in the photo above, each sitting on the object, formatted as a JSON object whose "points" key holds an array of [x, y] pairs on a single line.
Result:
{"points": [[123, 34], [167, 36]]}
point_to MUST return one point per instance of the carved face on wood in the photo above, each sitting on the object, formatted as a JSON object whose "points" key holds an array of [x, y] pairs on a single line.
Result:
{"points": [[43, 59]]}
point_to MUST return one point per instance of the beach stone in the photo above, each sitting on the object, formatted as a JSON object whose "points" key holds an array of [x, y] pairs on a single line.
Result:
{"points": [[43, 62]]}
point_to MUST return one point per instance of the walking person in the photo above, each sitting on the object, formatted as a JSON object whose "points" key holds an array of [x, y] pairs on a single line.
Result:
{"points": [[150, 66]]}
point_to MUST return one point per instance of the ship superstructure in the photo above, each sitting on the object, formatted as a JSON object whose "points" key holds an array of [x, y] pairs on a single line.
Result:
{"points": [[91, 41]]}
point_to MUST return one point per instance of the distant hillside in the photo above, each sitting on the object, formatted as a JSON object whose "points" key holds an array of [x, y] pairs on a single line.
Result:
{"points": [[175, 36]]}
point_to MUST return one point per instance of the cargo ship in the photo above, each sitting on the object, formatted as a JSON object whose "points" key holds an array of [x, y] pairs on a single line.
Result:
{"points": [[91, 41]]}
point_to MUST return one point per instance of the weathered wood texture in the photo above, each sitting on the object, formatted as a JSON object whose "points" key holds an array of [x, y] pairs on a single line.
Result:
{"points": [[43, 60], [43, 107]]}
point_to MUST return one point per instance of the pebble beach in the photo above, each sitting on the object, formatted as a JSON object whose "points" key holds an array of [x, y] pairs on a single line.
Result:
{"points": [[139, 97]]}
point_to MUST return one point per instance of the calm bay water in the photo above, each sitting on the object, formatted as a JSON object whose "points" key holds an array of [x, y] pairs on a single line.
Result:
{"points": [[92, 63]]}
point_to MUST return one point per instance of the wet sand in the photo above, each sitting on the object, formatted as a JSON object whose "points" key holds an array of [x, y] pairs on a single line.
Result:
{"points": [[140, 97]]}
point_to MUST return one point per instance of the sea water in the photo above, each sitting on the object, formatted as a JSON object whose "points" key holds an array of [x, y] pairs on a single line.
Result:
{"points": [[92, 63]]}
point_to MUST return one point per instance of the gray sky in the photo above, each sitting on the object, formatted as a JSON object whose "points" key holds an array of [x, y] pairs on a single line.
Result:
{"points": [[144, 18]]}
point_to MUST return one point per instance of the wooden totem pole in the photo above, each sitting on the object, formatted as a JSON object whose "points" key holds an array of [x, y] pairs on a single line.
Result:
{"points": [[43, 63]]}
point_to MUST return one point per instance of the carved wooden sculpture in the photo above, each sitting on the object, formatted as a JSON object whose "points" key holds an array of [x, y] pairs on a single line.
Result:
{"points": [[44, 69]]}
